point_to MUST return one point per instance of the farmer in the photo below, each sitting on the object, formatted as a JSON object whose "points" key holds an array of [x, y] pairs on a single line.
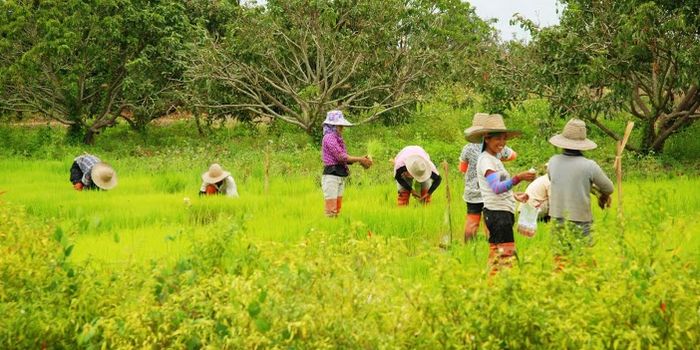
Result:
{"points": [[467, 165], [413, 163], [335, 161], [495, 185], [538, 197], [572, 176], [89, 172], [218, 181]]}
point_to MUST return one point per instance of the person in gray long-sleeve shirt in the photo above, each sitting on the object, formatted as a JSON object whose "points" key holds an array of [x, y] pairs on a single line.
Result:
{"points": [[572, 176]]}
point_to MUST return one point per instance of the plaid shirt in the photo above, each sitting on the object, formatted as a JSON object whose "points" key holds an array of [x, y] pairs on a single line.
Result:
{"points": [[86, 162], [333, 149]]}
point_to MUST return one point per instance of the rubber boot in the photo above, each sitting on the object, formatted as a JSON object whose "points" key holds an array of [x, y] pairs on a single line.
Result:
{"points": [[331, 207], [471, 226], [501, 255], [404, 196]]}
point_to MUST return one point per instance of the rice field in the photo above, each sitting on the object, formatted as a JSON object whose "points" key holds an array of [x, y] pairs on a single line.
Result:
{"points": [[376, 277]]}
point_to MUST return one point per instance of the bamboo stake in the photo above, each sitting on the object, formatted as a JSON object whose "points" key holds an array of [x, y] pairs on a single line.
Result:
{"points": [[267, 168], [618, 166], [446, 176]]}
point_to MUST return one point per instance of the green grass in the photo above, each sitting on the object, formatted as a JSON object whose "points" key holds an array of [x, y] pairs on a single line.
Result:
{"points": [[139, 267]]}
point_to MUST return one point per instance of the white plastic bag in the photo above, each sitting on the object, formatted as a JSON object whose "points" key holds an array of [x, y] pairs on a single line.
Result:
{"points": [[527, 220]]}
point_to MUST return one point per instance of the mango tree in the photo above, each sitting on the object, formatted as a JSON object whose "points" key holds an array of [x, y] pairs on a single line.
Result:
{"points": [[294, 60], [607, 57], [86, 63]]}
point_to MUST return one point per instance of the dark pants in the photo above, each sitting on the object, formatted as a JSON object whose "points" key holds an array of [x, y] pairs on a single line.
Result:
{"points": [[500, 224]]}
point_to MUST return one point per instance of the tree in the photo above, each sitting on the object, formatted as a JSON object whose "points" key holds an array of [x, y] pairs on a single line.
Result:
{"points": [[640, 57], [294, 60], [84, 63]]}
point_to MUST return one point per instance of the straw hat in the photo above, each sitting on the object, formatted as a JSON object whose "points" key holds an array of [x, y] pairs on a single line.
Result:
{"points": [[477, 123], [418, 167], [335, 117], [573, 137], [491, 124], [215, 174], [103, 176]]}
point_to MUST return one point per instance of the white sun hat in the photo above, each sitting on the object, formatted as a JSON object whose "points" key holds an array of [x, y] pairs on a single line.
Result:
{"points": [[103, 176], [215, 174], [418, 167]]}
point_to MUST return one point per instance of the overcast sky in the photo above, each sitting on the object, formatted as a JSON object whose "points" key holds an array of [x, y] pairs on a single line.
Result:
{"points": [[542, 12]]}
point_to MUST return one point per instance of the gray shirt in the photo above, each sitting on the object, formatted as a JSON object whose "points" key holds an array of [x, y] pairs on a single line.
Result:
{"points": [[570, 190]]}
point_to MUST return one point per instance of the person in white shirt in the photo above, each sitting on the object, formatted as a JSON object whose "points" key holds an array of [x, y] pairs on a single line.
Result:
{"points": [[218, 181]]}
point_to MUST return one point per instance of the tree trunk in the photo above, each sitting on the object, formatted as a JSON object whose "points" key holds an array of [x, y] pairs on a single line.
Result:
{"points": [[89, 138]]}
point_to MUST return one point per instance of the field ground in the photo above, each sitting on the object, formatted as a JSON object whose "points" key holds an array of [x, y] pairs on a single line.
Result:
{"points": [[140, 267]]}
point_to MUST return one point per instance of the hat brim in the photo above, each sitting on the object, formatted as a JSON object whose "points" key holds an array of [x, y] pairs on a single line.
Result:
{"points": [[340, 123], [477, 136], [105, 185], [470, 130], [580, 145], [212, 180]]}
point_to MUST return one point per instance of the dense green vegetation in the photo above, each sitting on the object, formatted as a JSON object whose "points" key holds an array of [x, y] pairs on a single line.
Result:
{"points": [[137, 266]]}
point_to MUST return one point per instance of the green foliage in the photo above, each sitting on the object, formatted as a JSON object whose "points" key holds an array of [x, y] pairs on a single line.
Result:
{"points": [[83, 63], [640, 57], [295, 60]]}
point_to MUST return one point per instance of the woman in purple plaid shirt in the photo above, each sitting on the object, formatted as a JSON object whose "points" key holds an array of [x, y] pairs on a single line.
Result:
{"points": [[335, 161]]}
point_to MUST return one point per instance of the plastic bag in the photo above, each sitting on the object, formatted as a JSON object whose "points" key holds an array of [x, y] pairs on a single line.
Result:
{"points": [[527, 220]]}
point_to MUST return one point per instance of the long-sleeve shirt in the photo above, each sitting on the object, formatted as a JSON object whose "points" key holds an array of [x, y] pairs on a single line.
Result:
{"points": [[227, 187], [85, 164], [571, 177], [398, 175], [333, 150]]}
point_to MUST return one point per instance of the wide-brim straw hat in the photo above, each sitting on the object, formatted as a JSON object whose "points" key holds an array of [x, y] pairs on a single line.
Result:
{"points": [[573, 137], [103, 176], [335, 117], [493, 123], [215, 174], [477, 122], [418, 167]]}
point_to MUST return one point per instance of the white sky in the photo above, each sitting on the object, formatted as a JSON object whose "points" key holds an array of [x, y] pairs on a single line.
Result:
{"points": [[542, 12]]}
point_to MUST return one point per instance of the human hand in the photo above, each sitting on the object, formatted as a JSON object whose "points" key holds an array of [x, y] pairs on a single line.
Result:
{"points": [[527, 175], [604, 201], [78, 186], [366, 162], [521, 197]]}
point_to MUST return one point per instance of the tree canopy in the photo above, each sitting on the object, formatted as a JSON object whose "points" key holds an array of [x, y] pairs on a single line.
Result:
{"points": [[294, 60], [639, 57], [84, 63]]}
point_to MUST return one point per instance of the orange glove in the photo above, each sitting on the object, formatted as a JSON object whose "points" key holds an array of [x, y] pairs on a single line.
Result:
{"points": [[78, 186]]}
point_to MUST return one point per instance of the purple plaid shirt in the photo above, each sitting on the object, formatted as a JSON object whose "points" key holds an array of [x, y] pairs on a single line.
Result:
{"points": [[333, 149]]}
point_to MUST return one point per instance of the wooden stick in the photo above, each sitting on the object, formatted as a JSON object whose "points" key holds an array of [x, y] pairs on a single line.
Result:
{"points": [[618, 165], [267, 168], [446, 176]]}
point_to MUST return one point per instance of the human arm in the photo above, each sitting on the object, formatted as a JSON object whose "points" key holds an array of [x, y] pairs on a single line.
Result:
{"points": [[231, 189], [366, 161], [437, 179], [402, 181], [600, 180], [498, 186]]}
